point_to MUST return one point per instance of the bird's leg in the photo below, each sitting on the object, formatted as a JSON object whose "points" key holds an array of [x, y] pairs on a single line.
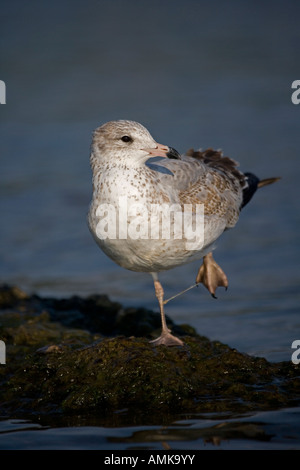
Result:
{"points": [[211, 275], [166, 337]]}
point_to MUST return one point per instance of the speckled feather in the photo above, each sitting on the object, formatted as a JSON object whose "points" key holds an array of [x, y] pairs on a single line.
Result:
{"points": [[124, 169]]}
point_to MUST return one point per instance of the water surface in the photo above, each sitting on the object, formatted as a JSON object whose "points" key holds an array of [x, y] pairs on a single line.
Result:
{"points": [[261, 431]]}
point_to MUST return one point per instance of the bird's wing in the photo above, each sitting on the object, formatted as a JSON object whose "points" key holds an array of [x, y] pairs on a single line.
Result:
{"points": [[205, 178]]}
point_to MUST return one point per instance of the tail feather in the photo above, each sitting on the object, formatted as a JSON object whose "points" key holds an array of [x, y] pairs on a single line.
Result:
{"points": [[253, 183], [267, 181]]}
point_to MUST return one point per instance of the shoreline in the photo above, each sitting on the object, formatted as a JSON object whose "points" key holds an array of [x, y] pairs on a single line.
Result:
{"points": [[92, 356]]}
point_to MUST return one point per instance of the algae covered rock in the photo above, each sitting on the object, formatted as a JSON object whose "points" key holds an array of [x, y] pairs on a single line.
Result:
{"points": [[75, 356]]}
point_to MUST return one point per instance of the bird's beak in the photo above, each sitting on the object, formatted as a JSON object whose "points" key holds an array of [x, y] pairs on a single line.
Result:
{"points": [[162, 151]]}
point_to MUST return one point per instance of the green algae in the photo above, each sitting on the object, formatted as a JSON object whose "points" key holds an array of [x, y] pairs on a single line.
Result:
{"points": [[64, 357]]}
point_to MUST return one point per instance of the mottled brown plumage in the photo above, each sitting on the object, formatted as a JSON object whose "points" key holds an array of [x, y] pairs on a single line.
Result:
{"points": [[215, 159]]}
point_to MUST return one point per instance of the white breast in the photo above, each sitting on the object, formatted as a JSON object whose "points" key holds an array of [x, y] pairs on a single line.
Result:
{"points": [[128, 214]]}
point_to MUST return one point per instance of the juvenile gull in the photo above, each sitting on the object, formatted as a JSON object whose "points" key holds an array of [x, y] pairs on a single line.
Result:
{"points": [[127, 186]]}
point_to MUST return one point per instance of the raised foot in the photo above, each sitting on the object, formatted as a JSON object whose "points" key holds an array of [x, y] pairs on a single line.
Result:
{"points": [[211, 275], [168, 340]]}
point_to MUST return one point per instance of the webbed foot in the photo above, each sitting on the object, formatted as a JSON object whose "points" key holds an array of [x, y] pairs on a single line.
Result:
{"points": [[211, 275], [167, 339]]}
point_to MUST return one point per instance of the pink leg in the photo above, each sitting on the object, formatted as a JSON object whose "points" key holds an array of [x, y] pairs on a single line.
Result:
{"points": [[166, 337]]}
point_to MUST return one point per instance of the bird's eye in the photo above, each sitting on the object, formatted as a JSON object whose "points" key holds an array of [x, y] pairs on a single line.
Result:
{"points": [[126, 138]]}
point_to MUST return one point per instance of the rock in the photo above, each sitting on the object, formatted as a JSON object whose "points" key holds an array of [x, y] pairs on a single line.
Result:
{"points": [[10, 295], [88, 363]]}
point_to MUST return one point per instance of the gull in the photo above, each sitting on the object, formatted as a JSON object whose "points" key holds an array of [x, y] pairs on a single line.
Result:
{"points": [[132, 191]]}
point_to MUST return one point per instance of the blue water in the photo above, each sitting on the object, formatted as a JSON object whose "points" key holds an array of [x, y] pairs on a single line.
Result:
{"points": [[261, 431], [196, 74]]}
